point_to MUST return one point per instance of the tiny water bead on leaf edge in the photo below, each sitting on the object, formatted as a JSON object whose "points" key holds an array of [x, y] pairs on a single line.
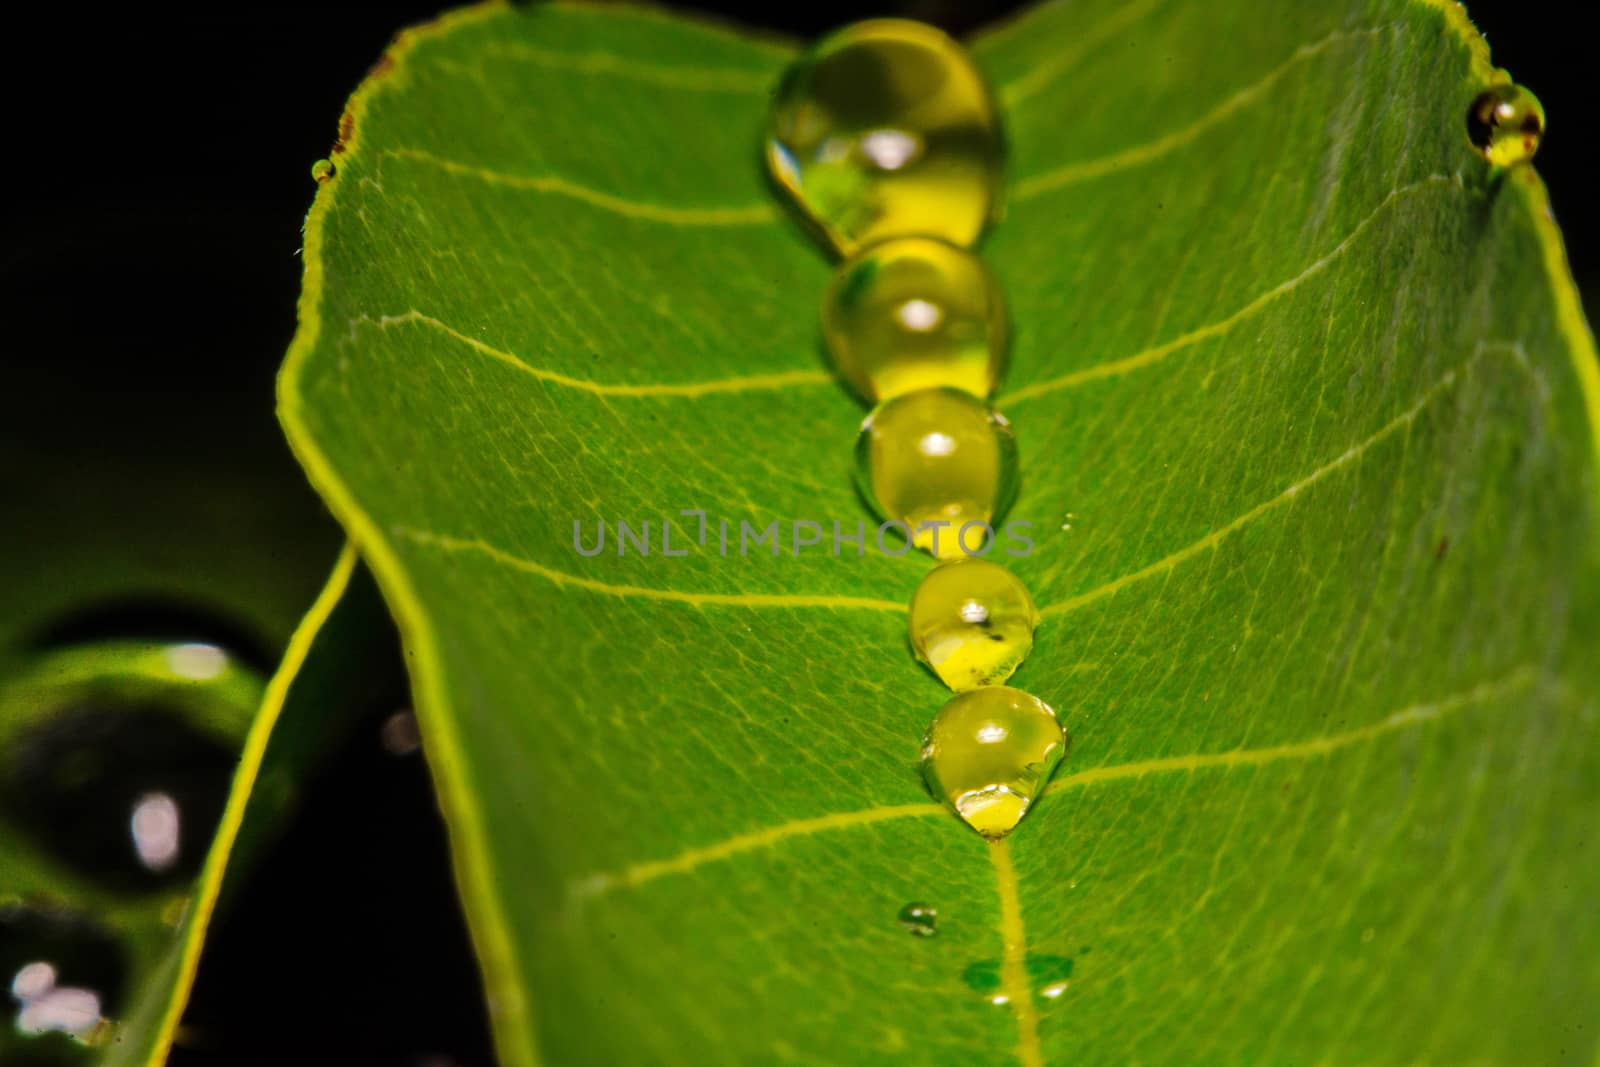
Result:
{"points": [[972, 623], [938, 460], [989, 753], [1505, 124], [915, 313], [885, 128]]}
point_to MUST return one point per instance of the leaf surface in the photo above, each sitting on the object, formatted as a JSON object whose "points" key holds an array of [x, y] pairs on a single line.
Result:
{"points": [[1304, 401]]}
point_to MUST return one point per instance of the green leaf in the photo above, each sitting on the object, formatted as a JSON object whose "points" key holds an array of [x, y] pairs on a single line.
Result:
{"points": [[1305, 404]]}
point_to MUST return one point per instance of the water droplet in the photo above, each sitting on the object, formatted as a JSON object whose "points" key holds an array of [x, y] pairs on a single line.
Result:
{"points": [[399, 734], [1505, 124], [915, 313], [63, 971], [1047, 977], [920, 919], [988, 753], [972, 621], [886, 129], [942, 462], [104, 787], [322, 170]]}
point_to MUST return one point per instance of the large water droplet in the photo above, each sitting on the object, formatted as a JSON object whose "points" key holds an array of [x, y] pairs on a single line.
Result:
{"points": [[988, 753], [972, 621], [920, 919], [915, 313], [1505, 124], [942, 462], [886, 129]]}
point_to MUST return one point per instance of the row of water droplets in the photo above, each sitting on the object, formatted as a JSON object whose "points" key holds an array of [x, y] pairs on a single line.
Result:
{"points": [[888, 140], [886, 137]]}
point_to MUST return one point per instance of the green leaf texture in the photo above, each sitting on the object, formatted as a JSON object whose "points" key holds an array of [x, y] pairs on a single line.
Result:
{"points": [[1304, 401]]}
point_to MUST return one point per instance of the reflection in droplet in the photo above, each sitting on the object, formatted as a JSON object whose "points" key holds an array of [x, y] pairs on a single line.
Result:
{"points": [[919, 315], [33, 980], [62, 1009], [155, 826], [920, 919], [200, 662], [890, 149]]}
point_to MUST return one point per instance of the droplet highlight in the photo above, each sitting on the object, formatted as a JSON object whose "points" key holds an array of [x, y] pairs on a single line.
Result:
{"points": [[63, 972], [972, 623], [915, 313], [885, 128], [920, 920], [1505, 124], [943, 463], [989, 753]]}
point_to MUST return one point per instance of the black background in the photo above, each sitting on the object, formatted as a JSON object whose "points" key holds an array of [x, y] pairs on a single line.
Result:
{"points": [[157, 177]]}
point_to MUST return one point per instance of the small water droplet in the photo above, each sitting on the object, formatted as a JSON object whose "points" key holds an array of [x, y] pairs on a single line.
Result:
{"points": [[63, 971], [1047, 976], [399, 734], [322, 170], [883, 129], [972, 621], [1505, 124], [920, 919], [943, 463], [989, 753], [915, 313]]}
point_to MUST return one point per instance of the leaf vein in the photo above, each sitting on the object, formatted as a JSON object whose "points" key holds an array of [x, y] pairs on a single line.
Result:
{"points": [[690, 390], [1135, 155], [1221, 533], [448, 543], [690, 79], [666, 214], [1520, 678], [1156, 354], [638, 874]]}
